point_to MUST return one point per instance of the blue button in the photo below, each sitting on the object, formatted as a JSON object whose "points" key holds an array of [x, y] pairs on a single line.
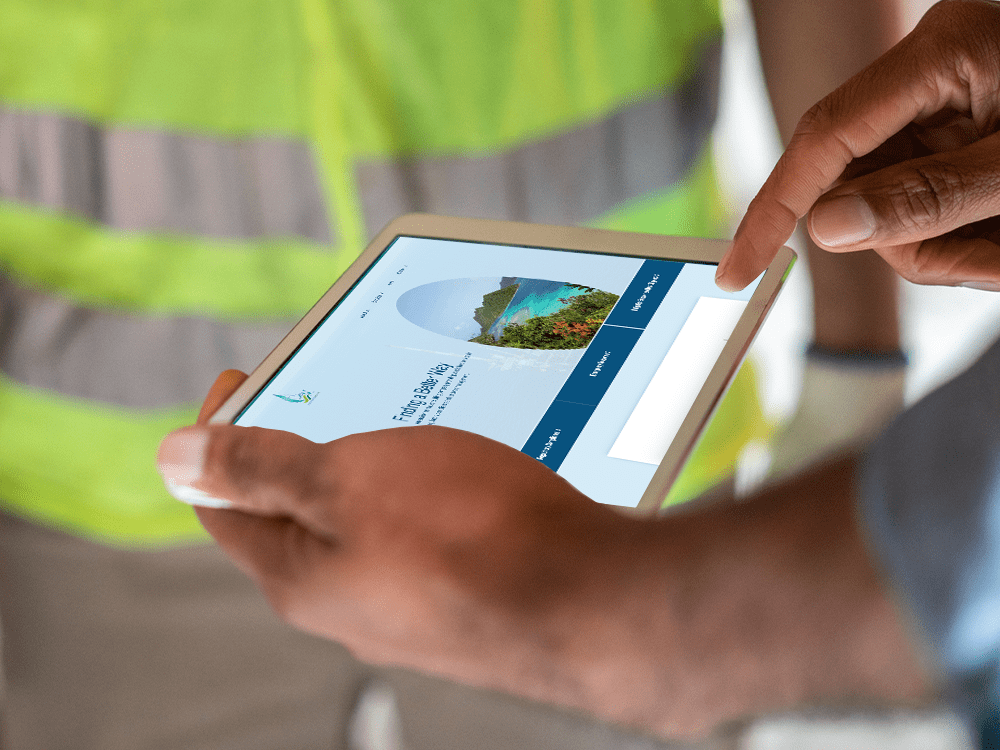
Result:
{"points": [[645, 293], [556, 433], [604, 357]]}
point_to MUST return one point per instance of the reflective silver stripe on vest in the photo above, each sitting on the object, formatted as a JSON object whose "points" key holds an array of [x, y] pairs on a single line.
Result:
{"points": [[148, 180], [143, 363], [568, 178], [156, 181]]}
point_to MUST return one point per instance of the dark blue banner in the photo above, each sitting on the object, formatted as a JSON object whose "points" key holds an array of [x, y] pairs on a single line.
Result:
{"points": [[556, 433], [638, 303], [605, 356]]}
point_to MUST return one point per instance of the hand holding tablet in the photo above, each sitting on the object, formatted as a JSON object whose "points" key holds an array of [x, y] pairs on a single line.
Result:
{"points": [[436, 549], [600, 354], [556, 366]]}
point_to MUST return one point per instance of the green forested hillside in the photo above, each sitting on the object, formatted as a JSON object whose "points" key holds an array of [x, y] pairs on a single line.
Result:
{"points": [[494, 304]]}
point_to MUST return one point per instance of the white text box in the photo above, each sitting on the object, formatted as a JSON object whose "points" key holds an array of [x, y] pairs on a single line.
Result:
{"points": [[667, 399]]}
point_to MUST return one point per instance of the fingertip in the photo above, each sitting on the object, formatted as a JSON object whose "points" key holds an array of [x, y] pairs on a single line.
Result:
{"points": [[720, 272], [231, 378], [261, 471], [758, 239], [733, 274], [210, 517], [180, 457], [198, 498], [224, 386], [727, 284]]}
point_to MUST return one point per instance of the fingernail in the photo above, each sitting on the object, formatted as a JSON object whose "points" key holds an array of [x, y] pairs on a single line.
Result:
{"points": [[193, 496], [723, 265], [720, 272], [182, 456], [842, 221], [726, 286], [983, 286]]}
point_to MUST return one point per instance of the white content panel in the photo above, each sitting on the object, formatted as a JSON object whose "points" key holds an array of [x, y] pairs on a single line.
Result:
{"points": [[668, 398]]}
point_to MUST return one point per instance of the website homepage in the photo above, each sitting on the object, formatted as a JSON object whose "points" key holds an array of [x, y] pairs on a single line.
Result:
{"points": [[587, 362]]}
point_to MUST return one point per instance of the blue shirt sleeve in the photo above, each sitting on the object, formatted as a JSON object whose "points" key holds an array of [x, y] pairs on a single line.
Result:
{"points": [[929, 492]]}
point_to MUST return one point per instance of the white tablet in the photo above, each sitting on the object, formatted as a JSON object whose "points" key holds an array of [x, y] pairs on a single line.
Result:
{"points": [[601, 354]]}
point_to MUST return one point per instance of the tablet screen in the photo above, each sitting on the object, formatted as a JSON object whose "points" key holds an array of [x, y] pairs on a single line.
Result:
{"points": [[587, 362]]}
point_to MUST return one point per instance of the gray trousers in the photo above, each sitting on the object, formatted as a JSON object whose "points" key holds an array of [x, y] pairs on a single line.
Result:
{"points": [[105, 649]]}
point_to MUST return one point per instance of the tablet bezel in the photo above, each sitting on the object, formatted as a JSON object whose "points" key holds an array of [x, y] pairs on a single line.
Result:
{"points": [[576, 239]]}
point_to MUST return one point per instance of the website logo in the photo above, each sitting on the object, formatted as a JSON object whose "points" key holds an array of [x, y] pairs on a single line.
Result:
{"points": [[303, 397]]}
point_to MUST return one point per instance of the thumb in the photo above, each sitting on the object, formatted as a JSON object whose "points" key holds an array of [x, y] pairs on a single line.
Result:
{"points": [[910, 202], [259, 471], [256, 489]]}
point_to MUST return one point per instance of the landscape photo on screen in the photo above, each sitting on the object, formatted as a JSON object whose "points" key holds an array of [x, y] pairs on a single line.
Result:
{"points": [[509, 311]]}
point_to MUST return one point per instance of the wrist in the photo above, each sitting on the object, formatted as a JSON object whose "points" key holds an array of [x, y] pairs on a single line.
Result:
{"points": [[807, 615], [636, 647], [601, 644], [773, 603], [680, 623]]}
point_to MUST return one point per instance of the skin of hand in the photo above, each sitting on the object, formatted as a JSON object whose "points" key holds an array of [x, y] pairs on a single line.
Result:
{"points": [[446, 552], [807, 49], [903, 158]]}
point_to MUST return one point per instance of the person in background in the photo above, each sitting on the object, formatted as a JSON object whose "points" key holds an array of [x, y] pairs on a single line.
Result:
{"points": [[179, 182], [874, 576]]}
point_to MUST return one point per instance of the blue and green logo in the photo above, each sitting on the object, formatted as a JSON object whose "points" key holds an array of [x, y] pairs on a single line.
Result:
{"points": [[303, 397]]}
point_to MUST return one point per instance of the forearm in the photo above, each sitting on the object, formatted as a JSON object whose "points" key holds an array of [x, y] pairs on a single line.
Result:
{"points": [[444, 551], [745, 608], [807, 49]]}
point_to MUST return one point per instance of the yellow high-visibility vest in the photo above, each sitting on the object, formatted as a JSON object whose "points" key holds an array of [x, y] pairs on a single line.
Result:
{"points": [[181, 180]]}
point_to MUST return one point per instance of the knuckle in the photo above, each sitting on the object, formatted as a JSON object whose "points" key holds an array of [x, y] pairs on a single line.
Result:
{"points": [[914, 268], [816, 119], [827, 138], [819, 129], [957, 13], [963, 32], [238, 456], [921, 265], [935, 264], [314, 485], [260, 461], [927, 194], [826, 119]]}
